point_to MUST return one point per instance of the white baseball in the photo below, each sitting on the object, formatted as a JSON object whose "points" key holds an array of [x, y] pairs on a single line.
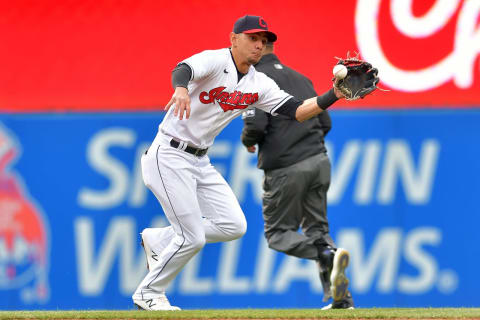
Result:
{"points": [[340, 71]]}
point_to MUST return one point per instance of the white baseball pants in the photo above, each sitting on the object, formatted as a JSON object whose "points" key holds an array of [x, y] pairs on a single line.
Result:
{"points": [[199, 204]]}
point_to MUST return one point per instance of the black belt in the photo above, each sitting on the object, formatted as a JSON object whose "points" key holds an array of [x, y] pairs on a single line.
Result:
{"points": [[195, 151]]}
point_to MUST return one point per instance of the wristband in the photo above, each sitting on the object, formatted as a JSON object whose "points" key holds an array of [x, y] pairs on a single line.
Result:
{"points": [[327, 99]]}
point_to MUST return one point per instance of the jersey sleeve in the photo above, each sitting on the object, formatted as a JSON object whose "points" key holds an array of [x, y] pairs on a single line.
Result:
{"points": [[272, 97], [205, 63]]}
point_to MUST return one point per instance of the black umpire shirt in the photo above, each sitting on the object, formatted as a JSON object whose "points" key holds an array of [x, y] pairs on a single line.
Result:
{"points": [[283, 141]]}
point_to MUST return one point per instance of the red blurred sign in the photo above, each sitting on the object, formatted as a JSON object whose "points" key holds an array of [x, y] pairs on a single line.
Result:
{"points": [[88, 55]]}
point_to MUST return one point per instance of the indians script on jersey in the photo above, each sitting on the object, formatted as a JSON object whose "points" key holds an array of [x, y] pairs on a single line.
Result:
{"points": [[228, 101]]}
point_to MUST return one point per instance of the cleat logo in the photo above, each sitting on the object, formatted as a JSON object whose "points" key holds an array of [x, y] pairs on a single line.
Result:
{"points": [[154, 256], [150, 303]]}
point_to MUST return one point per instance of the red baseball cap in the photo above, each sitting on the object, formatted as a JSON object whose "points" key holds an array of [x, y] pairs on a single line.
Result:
{"points": [[253, 24]]}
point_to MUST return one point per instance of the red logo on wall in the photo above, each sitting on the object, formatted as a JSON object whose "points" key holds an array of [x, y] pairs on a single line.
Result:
{"points": [[24, 245], [443, 35]]}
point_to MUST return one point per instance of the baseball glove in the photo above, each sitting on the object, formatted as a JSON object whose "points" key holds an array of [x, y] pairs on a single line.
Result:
{"points": [[361, 78]]}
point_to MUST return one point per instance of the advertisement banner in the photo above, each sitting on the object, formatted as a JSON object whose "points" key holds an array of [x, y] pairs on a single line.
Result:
{"points": [[87, 55], [402, 201]]}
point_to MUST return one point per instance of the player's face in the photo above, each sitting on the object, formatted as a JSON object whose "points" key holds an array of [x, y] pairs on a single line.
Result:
{"points": [[250, 46]]}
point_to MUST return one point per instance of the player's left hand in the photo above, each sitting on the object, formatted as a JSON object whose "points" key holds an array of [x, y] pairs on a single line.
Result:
{"points": [[361, 79], [182, 102]]}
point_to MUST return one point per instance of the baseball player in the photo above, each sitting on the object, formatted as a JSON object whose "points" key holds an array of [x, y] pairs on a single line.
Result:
{"points": [[211, 88], [296, 180]]}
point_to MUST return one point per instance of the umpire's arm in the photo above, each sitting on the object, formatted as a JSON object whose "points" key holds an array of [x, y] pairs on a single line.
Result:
{"points": [[255, 122]]}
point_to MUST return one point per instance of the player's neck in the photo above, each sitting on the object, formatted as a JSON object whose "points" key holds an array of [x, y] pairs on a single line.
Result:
{"points": [[242, 65]]}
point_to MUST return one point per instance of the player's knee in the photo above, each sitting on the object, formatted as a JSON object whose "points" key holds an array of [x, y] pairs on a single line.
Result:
{"points": [[241, 229], [195, 244]]}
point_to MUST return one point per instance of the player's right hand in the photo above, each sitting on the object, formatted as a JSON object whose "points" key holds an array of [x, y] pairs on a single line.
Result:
{"points": [[251, 149], [181, 99]]}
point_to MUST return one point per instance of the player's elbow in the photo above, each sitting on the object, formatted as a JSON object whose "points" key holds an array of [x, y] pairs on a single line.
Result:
{"points": [[300, 114], [300, 119], [308, 109]]}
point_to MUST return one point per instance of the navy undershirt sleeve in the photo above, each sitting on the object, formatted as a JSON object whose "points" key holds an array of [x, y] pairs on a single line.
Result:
{"points": [[289, 108], [181, 75]]}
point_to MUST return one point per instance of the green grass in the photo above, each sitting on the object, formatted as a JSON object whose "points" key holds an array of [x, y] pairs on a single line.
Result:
{"points": [[374, 313]]}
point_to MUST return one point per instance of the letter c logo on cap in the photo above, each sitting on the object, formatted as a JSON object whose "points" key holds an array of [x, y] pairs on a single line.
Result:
{"points": [[262, 22]]}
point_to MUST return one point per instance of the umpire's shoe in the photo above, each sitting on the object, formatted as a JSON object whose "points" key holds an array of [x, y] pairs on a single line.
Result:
{"points": [[345, 303], [157, 304], [335, 261], [338, 279]]}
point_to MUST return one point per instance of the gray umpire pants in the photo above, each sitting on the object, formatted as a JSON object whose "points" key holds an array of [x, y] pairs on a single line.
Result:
{"points": [[294, 197]]}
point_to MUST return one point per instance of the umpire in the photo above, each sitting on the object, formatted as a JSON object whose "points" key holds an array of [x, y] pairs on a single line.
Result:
{"points": [[297, 176]]}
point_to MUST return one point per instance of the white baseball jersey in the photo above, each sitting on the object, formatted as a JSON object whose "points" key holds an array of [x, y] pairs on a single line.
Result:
{"points": [[199, 204], [217, 97]]}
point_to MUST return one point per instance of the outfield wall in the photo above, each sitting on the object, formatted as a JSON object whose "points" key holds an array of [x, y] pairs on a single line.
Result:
{"points": [[402, 201]]}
